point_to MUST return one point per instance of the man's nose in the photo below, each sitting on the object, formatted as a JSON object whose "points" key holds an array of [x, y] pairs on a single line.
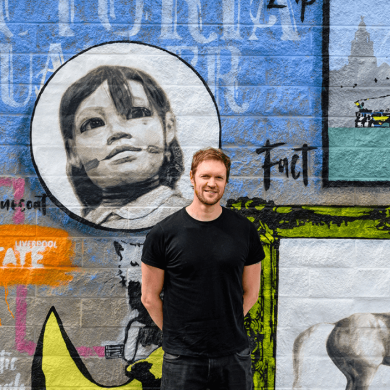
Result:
{"points": [[211, 182]]}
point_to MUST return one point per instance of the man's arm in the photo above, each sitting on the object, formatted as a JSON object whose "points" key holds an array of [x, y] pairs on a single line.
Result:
{"points": [[251, 285], [152, 285]]}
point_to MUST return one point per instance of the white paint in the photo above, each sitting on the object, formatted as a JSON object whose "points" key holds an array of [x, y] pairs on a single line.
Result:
{"points": [[231, 23], [7, 78], [322, 281], [229, 79], [194, 21], [13, 385], [9, 257], [56, 58], [31, 244], [3, 25], [287, 18], [6, 363], [260, 15], [197, 123], [23, 250], [169, 20], [66, 17], [289, 27], [36, 256], [105, 8]]}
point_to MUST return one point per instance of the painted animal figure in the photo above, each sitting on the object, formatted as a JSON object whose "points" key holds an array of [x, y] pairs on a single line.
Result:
{"points": [[357, 345]]}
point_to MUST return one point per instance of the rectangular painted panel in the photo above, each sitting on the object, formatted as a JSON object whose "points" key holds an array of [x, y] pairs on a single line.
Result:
{"points": [[357, 98], [333, 304]]}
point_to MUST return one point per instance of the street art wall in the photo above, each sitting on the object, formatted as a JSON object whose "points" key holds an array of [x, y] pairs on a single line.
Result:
{"points": [[103, 104]]}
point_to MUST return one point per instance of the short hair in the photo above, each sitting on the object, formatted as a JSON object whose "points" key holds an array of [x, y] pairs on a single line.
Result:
{"points": [[211, 154], [89, 194]]}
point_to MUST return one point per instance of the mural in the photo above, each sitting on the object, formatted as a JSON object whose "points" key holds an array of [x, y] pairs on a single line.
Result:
{"points": [[357, 103], [103, 104], [120, 129]]}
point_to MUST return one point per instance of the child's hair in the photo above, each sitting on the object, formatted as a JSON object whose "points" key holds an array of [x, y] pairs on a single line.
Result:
{"points": [[89, 194]]}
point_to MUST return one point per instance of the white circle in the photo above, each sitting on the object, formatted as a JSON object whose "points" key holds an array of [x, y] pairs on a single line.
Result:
{"points": [[197, 120]]}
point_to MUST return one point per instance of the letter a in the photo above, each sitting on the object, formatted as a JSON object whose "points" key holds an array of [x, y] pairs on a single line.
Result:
{"points": [[9, 257]]}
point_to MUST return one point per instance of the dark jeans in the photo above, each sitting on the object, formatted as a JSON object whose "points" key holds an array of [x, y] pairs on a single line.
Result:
{"points": [[231, 372]]}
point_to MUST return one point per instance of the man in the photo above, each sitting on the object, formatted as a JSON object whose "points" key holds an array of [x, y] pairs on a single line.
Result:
{"points": [[207, 258]]}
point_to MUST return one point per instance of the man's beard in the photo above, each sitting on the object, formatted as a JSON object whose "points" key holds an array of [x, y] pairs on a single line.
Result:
{"points": [[203, 200]]}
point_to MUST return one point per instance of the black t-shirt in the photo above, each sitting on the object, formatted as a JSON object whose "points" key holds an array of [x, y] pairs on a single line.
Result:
{"points": [[203, 294]]}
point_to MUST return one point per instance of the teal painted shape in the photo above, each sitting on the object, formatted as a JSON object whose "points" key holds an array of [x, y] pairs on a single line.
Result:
{"points": [[361, 154]]}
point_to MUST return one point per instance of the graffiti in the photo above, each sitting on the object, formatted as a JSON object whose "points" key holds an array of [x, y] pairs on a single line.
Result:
{"points": [[17, 202], [330, 242], [55, 57], [103, 8], [34, 264], [66, 16], [8, 363], [7, 77], [124, 163], [289, 28], [356, 78], [22, 205], [169, 18], [54, 341], [142, 336], [304, 4], [283, 162]]}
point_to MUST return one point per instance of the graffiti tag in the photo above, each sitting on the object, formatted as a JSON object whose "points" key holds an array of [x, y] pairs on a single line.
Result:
{"points": [[22, 204], [7, 363], [304, 3], [283, 163]]}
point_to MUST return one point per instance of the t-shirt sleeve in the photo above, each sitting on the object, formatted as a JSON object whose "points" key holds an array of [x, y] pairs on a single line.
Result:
{"points": [[153, 252], [256, 251]]}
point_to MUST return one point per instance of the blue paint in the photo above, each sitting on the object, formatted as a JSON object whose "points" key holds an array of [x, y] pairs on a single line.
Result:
{"points": [[266, 86]]}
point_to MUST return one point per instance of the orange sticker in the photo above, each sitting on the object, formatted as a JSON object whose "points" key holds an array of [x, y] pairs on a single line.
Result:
{"points": [[35, 255]]}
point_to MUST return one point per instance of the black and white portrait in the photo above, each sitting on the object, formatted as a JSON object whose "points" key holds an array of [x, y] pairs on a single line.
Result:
{"points": [[114, 130]]}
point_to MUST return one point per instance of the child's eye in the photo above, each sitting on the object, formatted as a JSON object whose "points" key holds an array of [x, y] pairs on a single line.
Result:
{"points": [[139, 112], [90, 124]]}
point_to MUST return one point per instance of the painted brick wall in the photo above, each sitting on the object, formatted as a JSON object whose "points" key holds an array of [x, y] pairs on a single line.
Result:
{"points": [[274, 83]]}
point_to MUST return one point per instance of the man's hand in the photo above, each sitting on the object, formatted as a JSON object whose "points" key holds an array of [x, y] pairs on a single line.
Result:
{"points": [[152, 285], [251, 285]]}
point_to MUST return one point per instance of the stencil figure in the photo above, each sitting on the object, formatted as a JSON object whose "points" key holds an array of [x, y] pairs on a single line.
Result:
{"points": [[123, 158]]}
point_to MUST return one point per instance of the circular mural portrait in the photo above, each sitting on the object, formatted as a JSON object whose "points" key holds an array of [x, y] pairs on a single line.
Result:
{"points": [[113, 133]]}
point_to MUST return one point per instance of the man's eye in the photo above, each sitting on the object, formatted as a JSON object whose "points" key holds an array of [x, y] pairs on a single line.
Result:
{"points": [[139, 112], [90, 124]]}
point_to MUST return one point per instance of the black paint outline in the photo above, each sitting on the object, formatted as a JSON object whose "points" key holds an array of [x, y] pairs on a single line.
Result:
{"points": [[38, 380], [74, 216]]}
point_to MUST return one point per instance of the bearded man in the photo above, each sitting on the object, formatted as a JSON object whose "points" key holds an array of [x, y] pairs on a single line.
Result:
{"points": [[207, 259]]}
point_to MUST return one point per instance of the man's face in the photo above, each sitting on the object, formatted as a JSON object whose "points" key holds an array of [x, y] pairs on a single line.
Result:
{"points": [[129, 150], [209, 181]]}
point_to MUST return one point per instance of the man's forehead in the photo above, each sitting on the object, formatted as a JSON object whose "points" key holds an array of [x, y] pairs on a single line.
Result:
{"points": [[211, 165]]}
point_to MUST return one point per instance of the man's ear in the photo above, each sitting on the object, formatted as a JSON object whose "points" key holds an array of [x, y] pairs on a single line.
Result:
{"points": [[170, 127], [73, 158], [192, 178]]}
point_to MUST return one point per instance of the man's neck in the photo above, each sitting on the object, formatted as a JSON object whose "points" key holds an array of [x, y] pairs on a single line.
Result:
{"points": [[202, 212]]}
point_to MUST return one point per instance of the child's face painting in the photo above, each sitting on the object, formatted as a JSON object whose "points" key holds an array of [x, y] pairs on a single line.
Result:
{"points": [[129, 150]]}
